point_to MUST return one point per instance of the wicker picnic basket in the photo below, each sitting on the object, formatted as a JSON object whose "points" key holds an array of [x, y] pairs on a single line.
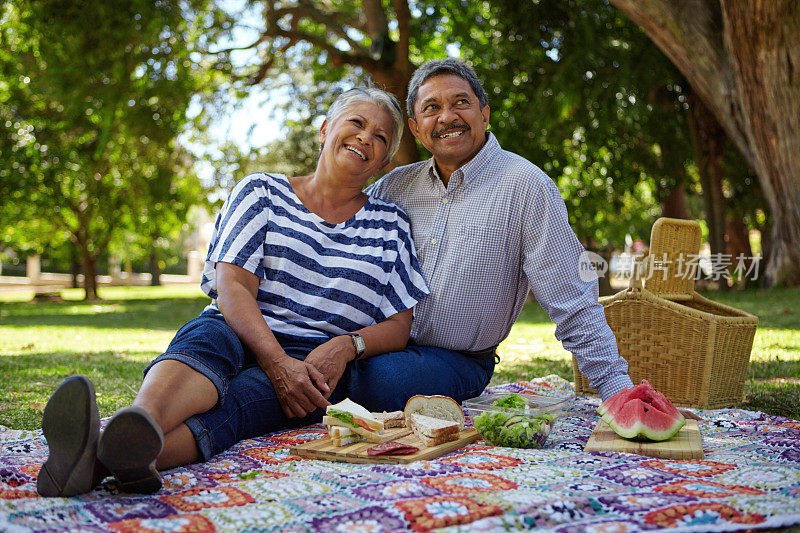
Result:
{"points": [[692, 349]]}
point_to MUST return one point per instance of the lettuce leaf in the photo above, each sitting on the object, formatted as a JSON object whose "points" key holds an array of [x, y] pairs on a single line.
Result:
{"points": [[513, 401], [347, 418], [514, 430]]}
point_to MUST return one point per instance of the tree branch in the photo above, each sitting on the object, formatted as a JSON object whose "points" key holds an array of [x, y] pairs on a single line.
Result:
{"points": [[332, 21], [340, 56], [255, 44], [403, 14], [375, 20], [263, 69]]}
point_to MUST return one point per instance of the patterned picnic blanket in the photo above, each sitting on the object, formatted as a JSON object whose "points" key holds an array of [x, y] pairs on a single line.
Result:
{"points": [[750, 478]]}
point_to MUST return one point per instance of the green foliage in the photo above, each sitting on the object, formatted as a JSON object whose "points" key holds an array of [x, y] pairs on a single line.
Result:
{"points": [[574, 86], [96, 94], [579, 89]]}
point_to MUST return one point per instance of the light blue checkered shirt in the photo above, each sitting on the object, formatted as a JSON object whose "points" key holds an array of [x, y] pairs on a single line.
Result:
{"points": [[498, 230]]}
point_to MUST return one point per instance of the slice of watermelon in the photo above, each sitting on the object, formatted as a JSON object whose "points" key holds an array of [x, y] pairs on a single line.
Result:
{"points": [[642, 412], [641, 392]]}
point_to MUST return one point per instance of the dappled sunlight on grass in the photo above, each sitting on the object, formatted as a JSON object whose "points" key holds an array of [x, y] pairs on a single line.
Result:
{"points": [[531, 350], [110, 341], [29, 379], [22, 340]]}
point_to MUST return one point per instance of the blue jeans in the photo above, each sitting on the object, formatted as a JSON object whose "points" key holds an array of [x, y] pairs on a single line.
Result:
{"points": [[248, 405], [385, 382]]}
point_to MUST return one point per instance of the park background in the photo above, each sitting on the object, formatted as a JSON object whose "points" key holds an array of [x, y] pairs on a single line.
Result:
{"points": [[124, 124]]}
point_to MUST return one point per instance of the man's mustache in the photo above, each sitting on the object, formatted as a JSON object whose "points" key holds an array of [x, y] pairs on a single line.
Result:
{"points": [[449, 128]]}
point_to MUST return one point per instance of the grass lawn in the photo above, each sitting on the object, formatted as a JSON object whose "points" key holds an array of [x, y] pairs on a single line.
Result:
{"points": [[112, 341]]}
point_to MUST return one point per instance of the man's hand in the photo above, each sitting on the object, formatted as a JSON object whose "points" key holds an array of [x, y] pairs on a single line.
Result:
{"points": [[299, 386], [331, 358]]}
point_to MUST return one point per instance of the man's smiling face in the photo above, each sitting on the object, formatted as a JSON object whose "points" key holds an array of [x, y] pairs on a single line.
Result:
{"points": [[449, 121]]}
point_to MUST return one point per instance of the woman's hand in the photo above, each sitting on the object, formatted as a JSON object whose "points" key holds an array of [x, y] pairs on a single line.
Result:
{"points": [[300, 387], [331, 358]]}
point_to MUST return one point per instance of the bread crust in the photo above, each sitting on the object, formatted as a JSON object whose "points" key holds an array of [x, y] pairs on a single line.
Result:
{"points": [[393, 419], [435, 406]]}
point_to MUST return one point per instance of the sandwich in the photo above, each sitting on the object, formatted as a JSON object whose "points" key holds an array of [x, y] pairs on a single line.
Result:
{"points": [[436, 406], [348, 414], [393, 419], [433, 431], [342, 436]]}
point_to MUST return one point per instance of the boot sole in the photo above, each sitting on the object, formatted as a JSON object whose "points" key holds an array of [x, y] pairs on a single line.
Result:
{"points": [[71, 426], [129, 447]]}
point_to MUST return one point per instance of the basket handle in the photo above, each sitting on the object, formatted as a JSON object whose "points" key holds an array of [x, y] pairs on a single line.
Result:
{"points": [[640, 267]]}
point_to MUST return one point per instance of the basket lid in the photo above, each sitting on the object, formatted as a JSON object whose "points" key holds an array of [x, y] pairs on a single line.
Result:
{"points": [[673, 258]]}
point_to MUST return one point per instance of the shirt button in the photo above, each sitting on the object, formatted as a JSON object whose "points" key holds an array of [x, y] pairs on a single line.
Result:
{"points": [[444, 200], [433, 241]]}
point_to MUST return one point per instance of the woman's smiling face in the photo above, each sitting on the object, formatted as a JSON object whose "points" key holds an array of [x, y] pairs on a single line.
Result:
{"points": [[357, 141]]}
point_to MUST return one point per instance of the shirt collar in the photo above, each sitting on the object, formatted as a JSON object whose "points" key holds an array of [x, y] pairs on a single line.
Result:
{"points": [[471, 169]]}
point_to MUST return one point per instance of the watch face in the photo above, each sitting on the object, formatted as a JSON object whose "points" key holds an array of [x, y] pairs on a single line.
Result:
{"points": [[358, 342]]}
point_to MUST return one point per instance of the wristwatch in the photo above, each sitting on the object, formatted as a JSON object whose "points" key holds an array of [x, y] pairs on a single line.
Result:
{"points": [[359, 344]]}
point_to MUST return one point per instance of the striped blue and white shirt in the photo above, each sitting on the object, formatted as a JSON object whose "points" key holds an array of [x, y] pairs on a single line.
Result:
{"points": [[497, 230], [317, 279]]}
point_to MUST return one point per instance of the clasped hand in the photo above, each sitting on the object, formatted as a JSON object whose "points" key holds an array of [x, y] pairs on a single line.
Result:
{"points": [[303, 386]]}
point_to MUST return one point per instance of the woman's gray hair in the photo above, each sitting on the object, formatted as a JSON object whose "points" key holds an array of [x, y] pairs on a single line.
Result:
{"points": [[380, 98], [438, 67]]}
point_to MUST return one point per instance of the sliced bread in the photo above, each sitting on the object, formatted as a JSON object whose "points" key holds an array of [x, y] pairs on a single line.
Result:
{"points": [[344, 441], [433, 431], [393, 419], [436, 406]]}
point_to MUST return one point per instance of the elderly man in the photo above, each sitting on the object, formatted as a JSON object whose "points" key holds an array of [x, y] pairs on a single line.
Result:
{"points": [[489, 227]]}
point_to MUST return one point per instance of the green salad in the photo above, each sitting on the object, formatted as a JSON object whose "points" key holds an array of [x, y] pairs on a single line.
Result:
{"points": [[515, 426]]}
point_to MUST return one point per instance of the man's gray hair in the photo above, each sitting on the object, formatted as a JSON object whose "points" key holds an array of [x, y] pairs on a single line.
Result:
{"points": [[380, 98], [438, 67]]}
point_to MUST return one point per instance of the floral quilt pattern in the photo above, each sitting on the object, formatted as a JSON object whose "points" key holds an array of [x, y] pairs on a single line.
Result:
{"points": [[749, 479]]}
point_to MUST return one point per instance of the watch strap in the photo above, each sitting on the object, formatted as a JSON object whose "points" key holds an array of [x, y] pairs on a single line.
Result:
{"points": [[358, 344]]}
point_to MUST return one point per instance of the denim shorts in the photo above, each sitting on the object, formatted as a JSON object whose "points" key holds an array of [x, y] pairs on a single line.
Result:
{"points": [[248, 405]]}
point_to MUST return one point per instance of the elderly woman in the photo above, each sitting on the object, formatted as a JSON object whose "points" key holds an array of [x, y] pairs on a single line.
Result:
{"points": [[306, 274]]}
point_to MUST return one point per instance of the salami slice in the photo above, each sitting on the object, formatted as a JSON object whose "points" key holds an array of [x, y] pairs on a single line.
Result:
{"points": [[392, 448]]}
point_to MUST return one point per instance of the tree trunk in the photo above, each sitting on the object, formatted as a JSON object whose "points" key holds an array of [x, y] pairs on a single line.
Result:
{"points": [[737, 246], [394, 79], [766, 248], [743, 60], [604, 281], [709, 141], [764, 45], [674, 205], [155, 268], [89, 264], [74, 270], [88, 261]]}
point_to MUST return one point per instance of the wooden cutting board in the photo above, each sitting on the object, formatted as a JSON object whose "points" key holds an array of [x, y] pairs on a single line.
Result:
{"points": [[357, 453], [685, 444]]}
